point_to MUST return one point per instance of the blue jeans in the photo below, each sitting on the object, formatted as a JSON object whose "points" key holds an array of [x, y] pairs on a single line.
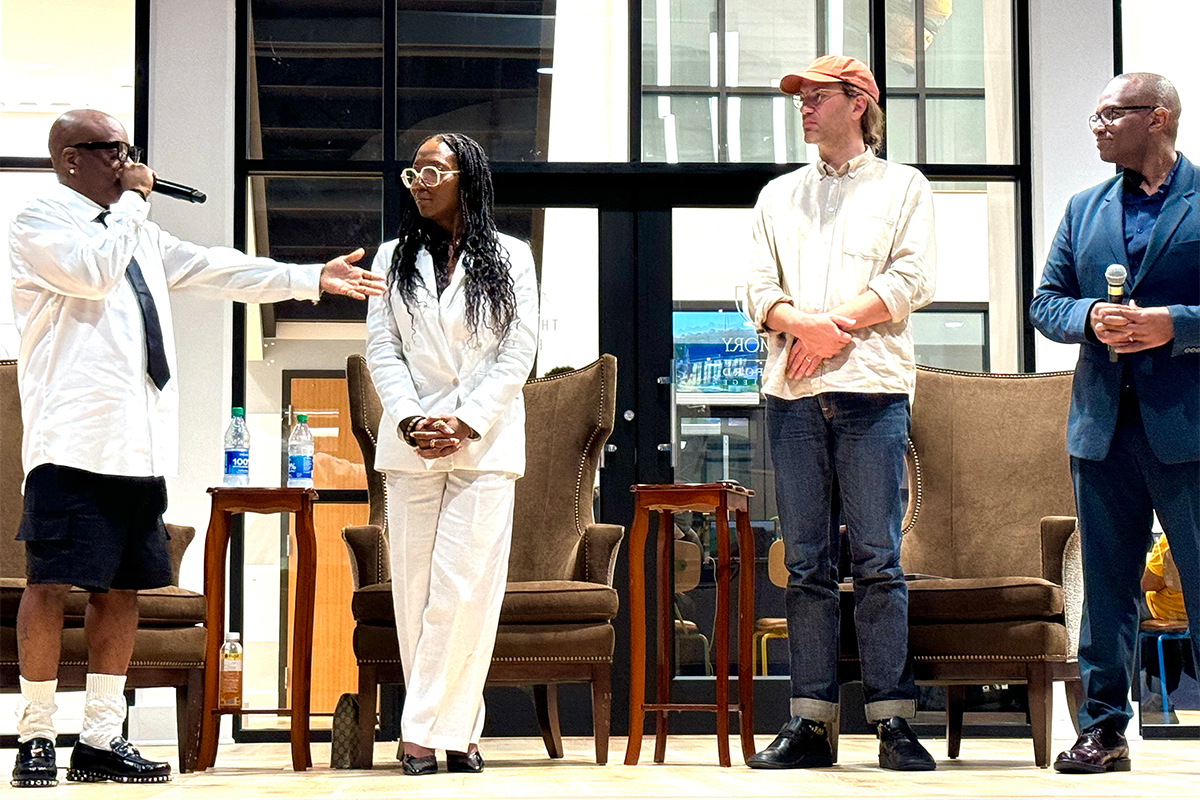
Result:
{"points": [[1117, 498], [843, 451]]}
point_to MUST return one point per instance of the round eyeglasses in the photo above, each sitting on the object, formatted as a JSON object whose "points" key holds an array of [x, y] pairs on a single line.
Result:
{"points": [[125, 150], [430, 176], [1110, 114], [818, 97]]}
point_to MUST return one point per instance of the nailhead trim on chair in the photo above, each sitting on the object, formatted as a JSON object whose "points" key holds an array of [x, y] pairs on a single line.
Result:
{"points": [[171, 664], [1005, 375], [912, 448], [1050, 657], [587, 448]]}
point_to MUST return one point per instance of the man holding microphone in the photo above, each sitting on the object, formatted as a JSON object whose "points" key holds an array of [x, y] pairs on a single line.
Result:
{"points": [[1133, 431], [99, 404]]}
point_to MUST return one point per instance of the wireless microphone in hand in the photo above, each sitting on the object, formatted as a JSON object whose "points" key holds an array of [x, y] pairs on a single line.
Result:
{"points": [[178, 191], [1115, 277]]}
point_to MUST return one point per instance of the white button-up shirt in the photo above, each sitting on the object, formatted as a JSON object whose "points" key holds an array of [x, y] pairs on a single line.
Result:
{"points": [[86, 401], [823, 237]]}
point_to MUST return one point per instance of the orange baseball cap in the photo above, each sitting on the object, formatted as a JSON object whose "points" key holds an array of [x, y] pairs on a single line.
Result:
{"points": [[833, 69]]}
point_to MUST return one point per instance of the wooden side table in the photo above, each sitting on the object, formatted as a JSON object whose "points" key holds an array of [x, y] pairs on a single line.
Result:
{"points": [[227, 501], [667, 499]]}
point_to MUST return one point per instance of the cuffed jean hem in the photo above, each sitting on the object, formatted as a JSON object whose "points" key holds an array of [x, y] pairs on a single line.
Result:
{"points": [[886, 709], [815, 710]]}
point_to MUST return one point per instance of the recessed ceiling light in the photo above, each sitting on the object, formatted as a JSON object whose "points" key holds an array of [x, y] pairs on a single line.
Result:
{"points": [[955, 324], [545, 70]]}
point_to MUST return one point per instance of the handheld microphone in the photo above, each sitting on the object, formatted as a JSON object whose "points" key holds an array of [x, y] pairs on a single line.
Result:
{"points": [[1115, 277], [178, 191]]}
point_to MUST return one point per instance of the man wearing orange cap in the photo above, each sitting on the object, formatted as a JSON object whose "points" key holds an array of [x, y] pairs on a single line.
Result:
{"points": [[843, 254]]}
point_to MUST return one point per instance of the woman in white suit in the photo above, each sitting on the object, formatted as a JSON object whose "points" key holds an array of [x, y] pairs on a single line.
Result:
{"points": [[450, 347]]}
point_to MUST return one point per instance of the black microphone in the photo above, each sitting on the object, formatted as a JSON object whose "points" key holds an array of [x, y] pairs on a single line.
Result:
{"points": [[1115, 277], [178, 191]]}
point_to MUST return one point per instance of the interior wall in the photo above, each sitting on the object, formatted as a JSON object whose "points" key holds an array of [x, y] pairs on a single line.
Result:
{"points": [[1071, 47], [190, 141]]}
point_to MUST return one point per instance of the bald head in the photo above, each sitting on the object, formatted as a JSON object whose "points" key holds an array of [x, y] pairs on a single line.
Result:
{"points": [[1148, 88], [82, 125], [94, 172]]}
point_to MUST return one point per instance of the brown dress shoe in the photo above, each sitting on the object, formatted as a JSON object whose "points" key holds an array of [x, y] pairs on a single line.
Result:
{"points": [[1096, 750]]}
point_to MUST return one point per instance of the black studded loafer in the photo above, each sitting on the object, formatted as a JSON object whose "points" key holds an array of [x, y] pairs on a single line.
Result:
{"points": [[123, 764], [1096, 750], [419, 765], [35, 764], [801, 744], [899, 748], [464, 762]]}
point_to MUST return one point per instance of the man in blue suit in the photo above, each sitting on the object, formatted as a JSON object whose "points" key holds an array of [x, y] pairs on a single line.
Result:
{"points": [[1133, 432]]}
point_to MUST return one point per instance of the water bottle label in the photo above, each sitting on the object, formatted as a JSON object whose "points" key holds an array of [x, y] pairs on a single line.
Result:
{"points": [[237, 462], [299, 467]]}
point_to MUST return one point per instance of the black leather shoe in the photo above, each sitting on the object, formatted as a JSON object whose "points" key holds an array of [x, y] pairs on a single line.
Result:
{"points": [[123, 764], [419, 765], [899, 748], [464, 762], [35, 764], [1096, 750], [801, 744]]}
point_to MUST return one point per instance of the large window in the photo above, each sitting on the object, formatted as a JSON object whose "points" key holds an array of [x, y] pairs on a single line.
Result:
{"points": [[629, 140], [87, 64]]}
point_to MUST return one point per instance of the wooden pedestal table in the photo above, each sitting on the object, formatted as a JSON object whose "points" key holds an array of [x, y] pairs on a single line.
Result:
{"points": [[667, 499], [227, 501]]}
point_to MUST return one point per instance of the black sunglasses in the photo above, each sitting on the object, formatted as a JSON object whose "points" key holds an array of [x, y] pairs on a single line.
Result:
{"points": [[125, 150]]}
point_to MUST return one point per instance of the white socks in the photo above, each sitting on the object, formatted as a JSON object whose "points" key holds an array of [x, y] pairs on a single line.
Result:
{"points": [[35, 713], [103, 710]]}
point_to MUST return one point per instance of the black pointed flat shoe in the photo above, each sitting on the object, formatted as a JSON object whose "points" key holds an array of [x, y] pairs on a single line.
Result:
{"points": [[123, 764], [35, 764], [464, 762], [419, 765]]}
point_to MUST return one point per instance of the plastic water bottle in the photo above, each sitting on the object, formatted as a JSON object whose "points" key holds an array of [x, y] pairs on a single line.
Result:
{"points": [[230, 694], [300, 455], [237, 450]]}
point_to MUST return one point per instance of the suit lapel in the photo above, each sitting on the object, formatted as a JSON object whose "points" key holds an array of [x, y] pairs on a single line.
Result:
{"points": [[1177, 206], [1112, 221]]}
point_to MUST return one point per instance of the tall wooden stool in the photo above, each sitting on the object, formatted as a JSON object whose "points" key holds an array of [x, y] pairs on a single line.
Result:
{"points": [[668, 499], [227, 501]]}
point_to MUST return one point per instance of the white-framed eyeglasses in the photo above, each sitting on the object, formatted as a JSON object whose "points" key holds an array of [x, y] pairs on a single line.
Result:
{"points": [[430, 176]]}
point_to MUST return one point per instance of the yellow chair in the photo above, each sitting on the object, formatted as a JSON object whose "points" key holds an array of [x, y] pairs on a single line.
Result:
{"points": [[767, 628]]}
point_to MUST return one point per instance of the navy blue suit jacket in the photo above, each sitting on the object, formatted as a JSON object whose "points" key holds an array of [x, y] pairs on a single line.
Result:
{"points": [[1166, 378]]}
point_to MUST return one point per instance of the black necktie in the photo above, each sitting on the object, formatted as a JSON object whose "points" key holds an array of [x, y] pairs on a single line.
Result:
{"points": [[156, 352]]}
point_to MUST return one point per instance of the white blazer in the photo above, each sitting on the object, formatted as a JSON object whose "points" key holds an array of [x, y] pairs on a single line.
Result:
{"points": [[424, 361]]}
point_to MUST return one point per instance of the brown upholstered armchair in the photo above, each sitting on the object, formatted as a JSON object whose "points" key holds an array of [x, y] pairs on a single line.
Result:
{"points": [[556, 619], [169, 648], [990, 464]]}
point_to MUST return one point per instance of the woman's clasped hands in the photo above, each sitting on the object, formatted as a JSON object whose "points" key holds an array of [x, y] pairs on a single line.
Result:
{"points": [[440, 435]]}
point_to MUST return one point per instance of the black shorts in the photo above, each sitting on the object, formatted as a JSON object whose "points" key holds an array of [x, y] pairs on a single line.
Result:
{"points": [[97, 532]]}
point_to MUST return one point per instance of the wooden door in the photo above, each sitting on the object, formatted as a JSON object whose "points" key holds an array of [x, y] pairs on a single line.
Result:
{"points": [[337, 464]]}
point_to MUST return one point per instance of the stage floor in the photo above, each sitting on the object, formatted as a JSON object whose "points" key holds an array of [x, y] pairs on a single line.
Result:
{"points": [[519, 768]]}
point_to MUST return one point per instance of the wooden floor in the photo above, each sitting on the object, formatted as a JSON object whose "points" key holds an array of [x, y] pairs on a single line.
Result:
{"points": [[518, 768]]}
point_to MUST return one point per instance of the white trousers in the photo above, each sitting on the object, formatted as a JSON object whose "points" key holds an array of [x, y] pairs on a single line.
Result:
{"points": [[450, 535]]}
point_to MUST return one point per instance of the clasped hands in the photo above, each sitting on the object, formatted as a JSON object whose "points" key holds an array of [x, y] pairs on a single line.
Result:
{"points": [[816, 337], [440, 435], [1131, 328]]}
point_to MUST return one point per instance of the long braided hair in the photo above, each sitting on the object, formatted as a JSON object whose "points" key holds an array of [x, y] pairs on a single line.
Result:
{"points": [[487, 281]]}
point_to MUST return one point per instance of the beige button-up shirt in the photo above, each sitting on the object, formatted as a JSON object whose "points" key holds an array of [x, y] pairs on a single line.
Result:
{"points": [[821, 238]]}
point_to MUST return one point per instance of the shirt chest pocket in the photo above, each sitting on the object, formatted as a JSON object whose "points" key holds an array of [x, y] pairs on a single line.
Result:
{"points": [[868, 237]]}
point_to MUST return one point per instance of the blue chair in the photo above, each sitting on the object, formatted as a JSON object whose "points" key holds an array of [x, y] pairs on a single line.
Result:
{"points": [[1162, 630]]}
